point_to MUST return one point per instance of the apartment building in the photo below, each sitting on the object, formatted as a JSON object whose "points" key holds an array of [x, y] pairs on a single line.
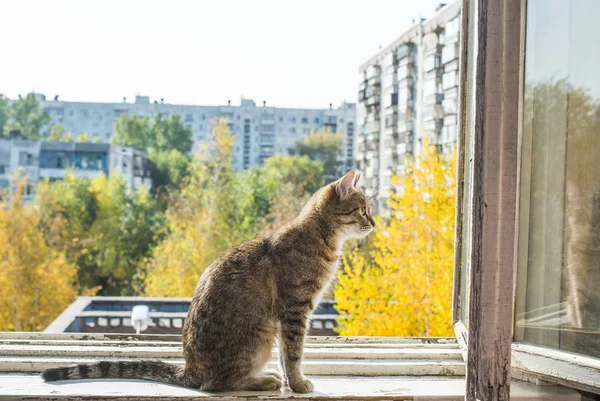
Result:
{"points": [[408, 93], [260, 131], [50, 160]]}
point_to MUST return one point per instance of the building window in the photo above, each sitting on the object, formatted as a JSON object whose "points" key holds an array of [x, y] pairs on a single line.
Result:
{"points": [[293, 130], [292, 119], [304, 120], [84, 162], [317, 120]]}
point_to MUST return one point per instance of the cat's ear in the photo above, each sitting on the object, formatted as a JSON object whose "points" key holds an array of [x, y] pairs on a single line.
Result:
{"points": [[356, 178], [345, 183]]}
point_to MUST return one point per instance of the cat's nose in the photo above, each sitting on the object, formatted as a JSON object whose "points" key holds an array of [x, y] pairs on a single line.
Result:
{"points": [[372, 222]]}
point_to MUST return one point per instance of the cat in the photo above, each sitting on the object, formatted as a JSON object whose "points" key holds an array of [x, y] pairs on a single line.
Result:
{"points": [[582, 256], [259, 291]]}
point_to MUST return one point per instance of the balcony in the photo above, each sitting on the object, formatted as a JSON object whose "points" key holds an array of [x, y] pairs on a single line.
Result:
{"points": [[406, 82], [405, 126], [373, 100], [362, 95], [435, 98], [391, 120], [375, 81], [401, 148], [372, 127]]}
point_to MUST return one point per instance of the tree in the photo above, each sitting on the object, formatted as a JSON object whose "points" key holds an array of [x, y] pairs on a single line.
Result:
{"points": [[161, 134], [295, 179], [404, 286], [198, 230], [169, 168], [36, 282], [84, 137], [59, 134], [166, 140], [170, 134], [303, 173], [3, 112], [26, 116], [132, 131], [103, 228], [326, 147]]}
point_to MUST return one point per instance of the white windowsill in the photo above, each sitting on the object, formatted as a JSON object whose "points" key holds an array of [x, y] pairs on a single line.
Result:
{"points": [[349, 368], [31, 387]]}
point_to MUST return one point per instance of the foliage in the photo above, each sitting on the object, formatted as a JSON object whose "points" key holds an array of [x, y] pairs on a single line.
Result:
{"points": [[3, 112], [167, 141], [159, 133], [132, 131], [26, 116], [219, 207], [326, 147], [84, 137], [103, 228], [303, 173], [36, 281], [403, 287], [169, 168], [59, 134]]}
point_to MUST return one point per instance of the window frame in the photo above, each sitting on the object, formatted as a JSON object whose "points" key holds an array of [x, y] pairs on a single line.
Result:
{"points": [[493, 355]]}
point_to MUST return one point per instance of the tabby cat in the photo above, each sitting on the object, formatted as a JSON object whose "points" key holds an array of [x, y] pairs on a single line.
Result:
{"points": [[256, 292]]}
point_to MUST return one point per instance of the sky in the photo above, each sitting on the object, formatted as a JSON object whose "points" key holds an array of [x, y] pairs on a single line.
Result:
{"points": [[287, 53]]}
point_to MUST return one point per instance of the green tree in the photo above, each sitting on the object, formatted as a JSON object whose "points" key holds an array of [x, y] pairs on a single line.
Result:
{"points": [[4, 108], [169, 168], [132, 131], [303, 173], [326, 147], [26, 116], [166, 140], [159, 133], [105, 229], [170, 134]]}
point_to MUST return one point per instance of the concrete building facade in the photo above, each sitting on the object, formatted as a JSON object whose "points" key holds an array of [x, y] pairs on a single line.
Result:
{"points": [[260, 131], [50, 160], [408, 93]]}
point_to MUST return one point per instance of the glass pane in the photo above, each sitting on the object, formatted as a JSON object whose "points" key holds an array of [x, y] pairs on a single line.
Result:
{"points": [[462, 263], [558, 284]]}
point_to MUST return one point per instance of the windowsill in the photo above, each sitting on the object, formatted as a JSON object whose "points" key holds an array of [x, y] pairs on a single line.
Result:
{"points": [[349, 368], [31, 387]]}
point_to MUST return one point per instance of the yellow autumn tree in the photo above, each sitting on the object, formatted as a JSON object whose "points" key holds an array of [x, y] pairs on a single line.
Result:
{"points": [[196, 233], [36, 282], [403, 286]]}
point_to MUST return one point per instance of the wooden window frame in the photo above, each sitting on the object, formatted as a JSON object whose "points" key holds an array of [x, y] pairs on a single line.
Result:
{"points": [[491, 102]]}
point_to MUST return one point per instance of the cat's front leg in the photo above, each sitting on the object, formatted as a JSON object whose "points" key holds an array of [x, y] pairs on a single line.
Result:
{"points": [[293, 330]]}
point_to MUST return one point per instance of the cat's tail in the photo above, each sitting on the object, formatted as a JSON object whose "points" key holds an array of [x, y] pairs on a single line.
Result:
{"points": [[147, 370]]}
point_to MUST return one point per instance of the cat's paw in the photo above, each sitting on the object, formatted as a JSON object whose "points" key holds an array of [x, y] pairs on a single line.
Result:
{"points": [[301, 385], [273, 373], [271, 384]]}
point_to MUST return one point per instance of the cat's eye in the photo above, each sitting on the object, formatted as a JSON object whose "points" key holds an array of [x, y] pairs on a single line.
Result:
{"points": [[363, 211]]}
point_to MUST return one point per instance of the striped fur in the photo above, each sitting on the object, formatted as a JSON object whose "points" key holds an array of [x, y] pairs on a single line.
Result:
{"points": [[148, 370]]}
